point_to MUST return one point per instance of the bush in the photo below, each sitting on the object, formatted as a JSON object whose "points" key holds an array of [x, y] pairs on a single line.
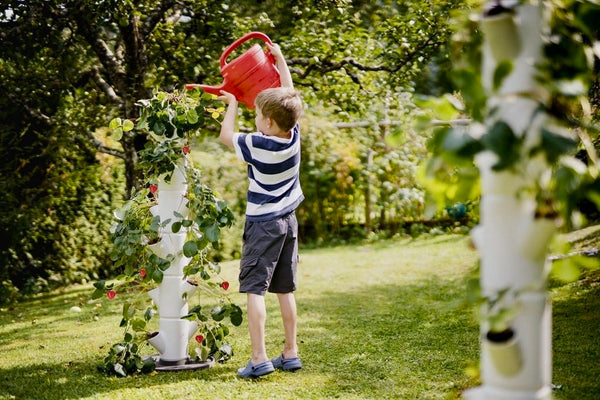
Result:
{"points": [[55, 214]]}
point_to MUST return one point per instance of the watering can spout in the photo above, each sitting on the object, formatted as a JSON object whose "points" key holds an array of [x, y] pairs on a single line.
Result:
{"points": [[208, 89]]}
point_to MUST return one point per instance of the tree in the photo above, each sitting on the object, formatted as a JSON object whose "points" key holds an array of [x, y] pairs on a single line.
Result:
{"points": [[69, 67]]}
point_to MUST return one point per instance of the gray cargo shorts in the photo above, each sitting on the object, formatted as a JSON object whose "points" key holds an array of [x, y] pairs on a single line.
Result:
{"points": [[269, 256]]}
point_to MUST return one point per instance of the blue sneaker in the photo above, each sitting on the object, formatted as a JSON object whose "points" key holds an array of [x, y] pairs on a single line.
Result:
{"points": [[287, 364], [254, 371]]}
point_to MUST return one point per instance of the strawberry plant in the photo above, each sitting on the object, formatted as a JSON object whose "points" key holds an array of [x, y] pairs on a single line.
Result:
{"points": [[169, 120]]}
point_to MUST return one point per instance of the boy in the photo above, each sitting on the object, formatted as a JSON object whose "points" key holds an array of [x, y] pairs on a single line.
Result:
{"points": [[270, 249]]}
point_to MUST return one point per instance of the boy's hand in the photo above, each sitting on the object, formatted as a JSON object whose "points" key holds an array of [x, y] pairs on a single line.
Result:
{"points": [[275, 50], [227, 98], [228, 124], [284, 71]]}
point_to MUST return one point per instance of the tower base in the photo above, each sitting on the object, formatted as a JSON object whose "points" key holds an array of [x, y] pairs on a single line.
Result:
{"points": [[184, 365], [490, 393]]}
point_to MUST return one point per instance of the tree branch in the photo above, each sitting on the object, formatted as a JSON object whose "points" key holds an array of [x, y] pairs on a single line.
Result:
{"points": [[102, 148], [47, 121], [92, 36], [106, 88], [328, 65], [34, 114]]}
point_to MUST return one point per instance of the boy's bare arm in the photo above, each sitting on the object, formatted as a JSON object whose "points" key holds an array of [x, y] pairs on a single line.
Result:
{"points": [[284, 72], [228, 124]]}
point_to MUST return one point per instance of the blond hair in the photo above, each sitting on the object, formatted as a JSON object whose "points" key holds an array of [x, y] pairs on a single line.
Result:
{"points": [[283, 105]]}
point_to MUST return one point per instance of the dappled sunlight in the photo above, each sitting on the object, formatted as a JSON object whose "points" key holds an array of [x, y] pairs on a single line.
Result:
{"points": [[576, 323], [382, 321]]}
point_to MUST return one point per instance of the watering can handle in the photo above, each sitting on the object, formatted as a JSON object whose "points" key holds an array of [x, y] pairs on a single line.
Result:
{"points": [[234, 45]]}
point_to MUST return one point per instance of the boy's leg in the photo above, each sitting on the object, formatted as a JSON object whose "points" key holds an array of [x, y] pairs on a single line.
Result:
{"points": [[287, 303], [257, 315]]}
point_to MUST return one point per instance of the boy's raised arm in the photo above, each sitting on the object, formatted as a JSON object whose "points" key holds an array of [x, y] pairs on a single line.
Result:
{"points": [[284, 72], [228, 124]]}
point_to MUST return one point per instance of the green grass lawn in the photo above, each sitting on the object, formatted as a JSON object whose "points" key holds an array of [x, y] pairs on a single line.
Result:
{"points": [[378, 321]]}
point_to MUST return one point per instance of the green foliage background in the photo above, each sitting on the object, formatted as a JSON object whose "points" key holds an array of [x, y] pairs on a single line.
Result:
{"points": [[68, 68]]}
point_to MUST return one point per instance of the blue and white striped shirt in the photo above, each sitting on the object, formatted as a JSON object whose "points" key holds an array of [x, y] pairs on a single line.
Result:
{"points": [[273, 172]]}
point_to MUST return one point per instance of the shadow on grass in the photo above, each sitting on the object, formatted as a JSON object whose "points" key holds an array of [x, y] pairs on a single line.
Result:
{"points": [[390, 341], [576, 349], [42, 314], [81, 379], [381, 341]]}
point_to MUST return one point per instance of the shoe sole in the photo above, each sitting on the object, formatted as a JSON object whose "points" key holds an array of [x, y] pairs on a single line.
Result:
{"points": [[254, 376]]}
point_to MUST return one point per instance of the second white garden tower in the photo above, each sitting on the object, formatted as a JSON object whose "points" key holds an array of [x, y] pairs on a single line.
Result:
{"points": [[512, 238]]}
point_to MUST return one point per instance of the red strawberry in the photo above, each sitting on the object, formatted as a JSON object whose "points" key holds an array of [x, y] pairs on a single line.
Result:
{"points": [[153, 189], [186, 149], [143, 272], [225, 285], [111, 294], [199, 338]]}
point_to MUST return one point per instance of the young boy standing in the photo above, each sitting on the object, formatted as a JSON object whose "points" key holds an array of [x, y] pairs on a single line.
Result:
{"points": [[270, 249]]}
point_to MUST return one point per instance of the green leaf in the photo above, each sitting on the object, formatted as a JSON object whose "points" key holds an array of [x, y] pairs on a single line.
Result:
{"points": [[138, 325], [443, 108], [150, 312], [155, 224], [236, 316], [459, 142], [114, 123], [469, 83], [501, 140], [157, 276], [555, 145], [566, 270], [192, 116], [590, 263], [100, 284], [127, 125], [587, 17], [159, 128], [397, 137], [190, 249], [218, 313], [212, 233], [117, 134], [128, 311], [503, 69], [148, 365], [176, 227]]}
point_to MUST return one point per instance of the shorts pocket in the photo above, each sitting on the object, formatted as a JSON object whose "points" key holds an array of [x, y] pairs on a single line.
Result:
{"points": [[246, 266]]}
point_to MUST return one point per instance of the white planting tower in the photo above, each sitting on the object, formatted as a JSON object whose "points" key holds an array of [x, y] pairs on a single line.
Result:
{"points": [[511, 240], [172, 293]]}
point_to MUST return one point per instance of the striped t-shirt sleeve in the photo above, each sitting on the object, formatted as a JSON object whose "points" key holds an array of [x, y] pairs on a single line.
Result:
{"points": [[273, 173]]}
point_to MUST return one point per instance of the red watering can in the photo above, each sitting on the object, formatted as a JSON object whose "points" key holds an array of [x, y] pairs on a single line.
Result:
{"points": [[247, 75]]}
